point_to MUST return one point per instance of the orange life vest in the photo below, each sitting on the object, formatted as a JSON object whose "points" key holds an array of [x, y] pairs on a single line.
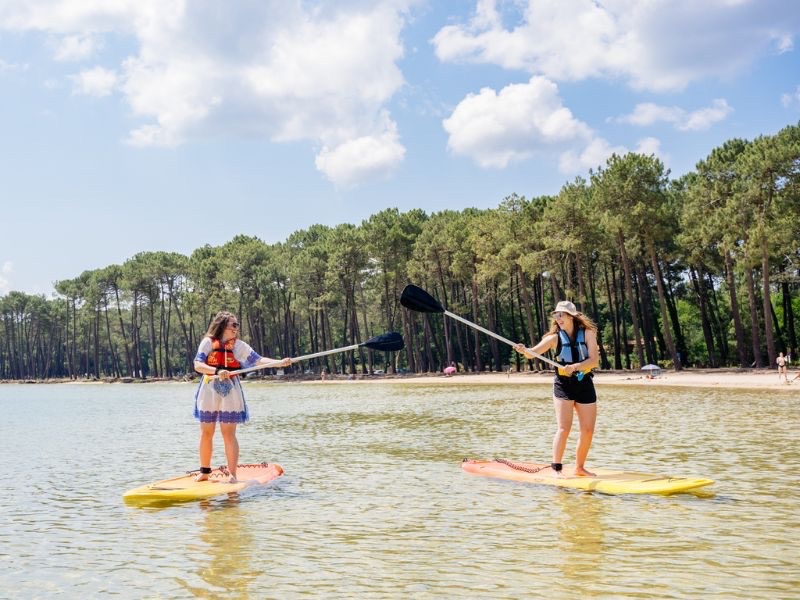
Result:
{"points": [[222, 356]]}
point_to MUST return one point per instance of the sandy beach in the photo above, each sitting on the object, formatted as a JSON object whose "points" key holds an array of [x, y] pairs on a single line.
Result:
{"points": [[699, 378], [695, 378]]}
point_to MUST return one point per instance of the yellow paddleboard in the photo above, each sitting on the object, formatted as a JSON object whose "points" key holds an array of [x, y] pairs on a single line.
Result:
{"points": [[185, 488], [607, 481]]}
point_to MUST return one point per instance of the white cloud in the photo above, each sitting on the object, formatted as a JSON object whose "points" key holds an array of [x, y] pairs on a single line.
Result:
{"points": [[526, 120], [7, 66], [791, 99], [74, 48], [647, 113], [496, 129], [6, 270], [362, 159], [593, 155], [658, 45], [96, 81], [648, 146], [279, 70], [598, 151]]}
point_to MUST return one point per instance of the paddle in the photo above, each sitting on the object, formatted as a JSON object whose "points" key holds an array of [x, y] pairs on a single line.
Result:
{"points": [[386, 342], [417, 299]]}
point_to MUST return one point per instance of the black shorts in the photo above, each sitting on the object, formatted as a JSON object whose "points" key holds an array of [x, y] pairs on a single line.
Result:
{"points": [[569, 388]]}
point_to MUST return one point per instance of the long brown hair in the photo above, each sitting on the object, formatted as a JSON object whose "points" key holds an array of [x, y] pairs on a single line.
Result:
{"points": [[218, 324], [581, 322]]}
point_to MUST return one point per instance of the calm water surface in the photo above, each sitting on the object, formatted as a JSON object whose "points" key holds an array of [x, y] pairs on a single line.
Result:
{"points": [[374, 503]]}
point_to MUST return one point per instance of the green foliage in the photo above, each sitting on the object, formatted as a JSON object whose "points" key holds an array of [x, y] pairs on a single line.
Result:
{"points": [[636, 251]]}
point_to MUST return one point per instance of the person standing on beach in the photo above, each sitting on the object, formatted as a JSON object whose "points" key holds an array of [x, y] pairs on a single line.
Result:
{"points": [[222, 400], [574, 338], [781, 361]]}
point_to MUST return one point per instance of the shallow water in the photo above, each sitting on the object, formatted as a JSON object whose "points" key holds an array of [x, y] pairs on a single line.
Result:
{"points": [[375, 505]]}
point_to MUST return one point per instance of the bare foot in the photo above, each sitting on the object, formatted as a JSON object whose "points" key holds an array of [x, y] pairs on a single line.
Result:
{"points": [[233, 479], [581, 472], [201, 477]]}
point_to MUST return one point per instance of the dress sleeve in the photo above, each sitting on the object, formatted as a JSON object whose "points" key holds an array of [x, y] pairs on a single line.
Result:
{"points": [[245, 354], [203, 349]]}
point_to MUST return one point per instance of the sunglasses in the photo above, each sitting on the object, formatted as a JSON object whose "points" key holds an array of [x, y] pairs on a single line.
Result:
{"points": [[558, 315], [233, 325]]}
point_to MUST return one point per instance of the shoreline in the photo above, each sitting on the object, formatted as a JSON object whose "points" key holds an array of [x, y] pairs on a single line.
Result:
{"points": [[762, 379]]}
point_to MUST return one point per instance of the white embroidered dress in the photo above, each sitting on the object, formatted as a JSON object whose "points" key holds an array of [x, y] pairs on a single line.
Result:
{"points": [[223, 401]]}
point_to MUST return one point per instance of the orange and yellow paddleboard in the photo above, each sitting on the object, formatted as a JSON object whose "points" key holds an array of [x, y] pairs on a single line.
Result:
{"points": [[185, 488], [606, 481]]}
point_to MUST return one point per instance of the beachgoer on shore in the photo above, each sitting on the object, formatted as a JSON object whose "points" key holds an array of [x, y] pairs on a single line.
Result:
{"points": [[781, 361], [573, 336], [222, 400]]}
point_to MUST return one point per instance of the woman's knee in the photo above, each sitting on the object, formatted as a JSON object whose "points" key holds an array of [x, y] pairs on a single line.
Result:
{"points": [[228, 433]]}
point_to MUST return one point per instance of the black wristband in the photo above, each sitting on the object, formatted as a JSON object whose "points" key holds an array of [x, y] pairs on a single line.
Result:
{"points": [[556, 467]]}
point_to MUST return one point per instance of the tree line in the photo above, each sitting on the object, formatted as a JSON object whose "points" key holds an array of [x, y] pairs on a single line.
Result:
{"points": [[702, 270]]}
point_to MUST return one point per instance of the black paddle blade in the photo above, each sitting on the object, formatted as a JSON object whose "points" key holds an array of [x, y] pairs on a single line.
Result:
{"points": [[415, 298], [386, 342]]}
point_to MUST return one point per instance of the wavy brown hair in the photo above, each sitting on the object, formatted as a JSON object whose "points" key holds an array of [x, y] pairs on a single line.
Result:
{"points": [[218, 324], [581, 322]]}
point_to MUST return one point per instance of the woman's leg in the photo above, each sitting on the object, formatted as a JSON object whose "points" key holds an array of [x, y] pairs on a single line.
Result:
{"points": [[231, 447], [206, 447], [563, 410], [587, 417]]}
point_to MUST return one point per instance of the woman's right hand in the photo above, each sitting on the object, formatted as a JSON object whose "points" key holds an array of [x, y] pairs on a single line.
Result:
{"points": [[522, 349]]}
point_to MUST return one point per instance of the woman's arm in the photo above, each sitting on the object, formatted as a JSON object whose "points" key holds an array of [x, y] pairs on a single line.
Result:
{"points": [[284, 362], [203, 368], [200, 365], [548, 342]]}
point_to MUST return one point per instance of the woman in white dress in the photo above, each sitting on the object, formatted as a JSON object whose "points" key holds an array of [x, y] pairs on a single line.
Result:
{"points": [[222, 400]]}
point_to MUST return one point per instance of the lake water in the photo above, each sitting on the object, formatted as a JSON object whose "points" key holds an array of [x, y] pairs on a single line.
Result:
{"points": [[374, 503]]}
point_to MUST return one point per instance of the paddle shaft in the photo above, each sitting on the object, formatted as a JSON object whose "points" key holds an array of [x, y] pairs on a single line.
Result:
{"points": [[501, 338], [296, 359]]}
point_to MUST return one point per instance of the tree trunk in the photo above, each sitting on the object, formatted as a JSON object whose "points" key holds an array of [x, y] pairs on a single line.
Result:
{"points": [[767, 302], [699, 288], [476, 336], [788, 318], [631, 298], [738, 327], [662, 302], [756, 336]]}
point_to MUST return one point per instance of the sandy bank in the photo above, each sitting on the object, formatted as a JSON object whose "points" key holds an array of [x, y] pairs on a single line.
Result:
{"points": [[697, 378], [710, 378]]}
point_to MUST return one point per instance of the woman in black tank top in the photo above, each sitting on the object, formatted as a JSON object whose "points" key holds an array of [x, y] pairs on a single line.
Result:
{"points": [[571, 395]]}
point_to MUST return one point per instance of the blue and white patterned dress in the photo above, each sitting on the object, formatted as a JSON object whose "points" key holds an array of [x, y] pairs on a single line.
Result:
{"points": [[223, 401]]}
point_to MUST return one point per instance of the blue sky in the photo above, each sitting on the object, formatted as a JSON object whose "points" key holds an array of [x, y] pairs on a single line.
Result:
{"points": [[145, 125]]}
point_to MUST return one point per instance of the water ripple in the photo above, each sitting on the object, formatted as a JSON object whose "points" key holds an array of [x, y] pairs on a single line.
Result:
{"points": [[374, 503]]}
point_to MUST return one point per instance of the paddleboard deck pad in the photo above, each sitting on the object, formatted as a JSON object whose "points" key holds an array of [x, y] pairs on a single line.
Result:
{"points": [[185, 488], [606, 481]]}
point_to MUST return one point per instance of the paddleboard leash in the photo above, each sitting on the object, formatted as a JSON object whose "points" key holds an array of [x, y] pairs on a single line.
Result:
{"points": [[520, 467]]}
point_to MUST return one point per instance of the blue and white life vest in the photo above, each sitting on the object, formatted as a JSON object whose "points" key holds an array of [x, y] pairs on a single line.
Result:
{"points": [[569, 352]]}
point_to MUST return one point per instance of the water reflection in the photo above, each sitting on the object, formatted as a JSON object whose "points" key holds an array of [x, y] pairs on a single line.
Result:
{"points": [[580, 528], [375, 504], [227, 546]]}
